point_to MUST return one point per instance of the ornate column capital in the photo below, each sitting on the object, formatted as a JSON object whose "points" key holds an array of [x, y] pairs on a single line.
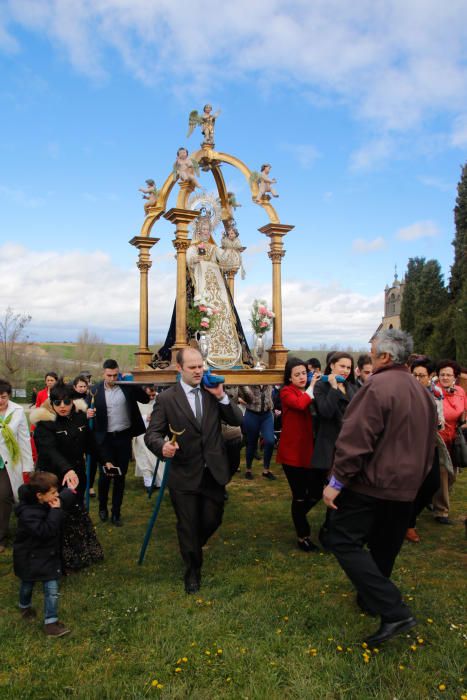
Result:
{"points": [[144, 243], [181, 216], [181, 244], [276, 255]]}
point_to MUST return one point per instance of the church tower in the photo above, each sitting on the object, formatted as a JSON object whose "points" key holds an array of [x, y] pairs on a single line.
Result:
{"points": [[392, 305]]}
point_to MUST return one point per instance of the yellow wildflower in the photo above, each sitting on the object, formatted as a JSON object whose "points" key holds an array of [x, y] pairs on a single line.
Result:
{"points": [[339, 648], [420, 640], [184, 659], [178, 669], [365, 645], [286, 618], [160, 686], [442, 687], [413, 647], [207, 652], [429, 620], [155, 682], [219, 651], [401, 667]]}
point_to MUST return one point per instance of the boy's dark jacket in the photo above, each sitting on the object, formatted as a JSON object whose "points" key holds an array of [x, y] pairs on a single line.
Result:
{"points": [[36, 550]]}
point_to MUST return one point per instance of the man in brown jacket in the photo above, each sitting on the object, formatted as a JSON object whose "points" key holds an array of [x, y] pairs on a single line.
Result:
{"points": [[383, 453]]}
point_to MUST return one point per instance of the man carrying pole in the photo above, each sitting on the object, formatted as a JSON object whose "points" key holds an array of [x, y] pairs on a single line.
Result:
{"points": [[199, 466]]}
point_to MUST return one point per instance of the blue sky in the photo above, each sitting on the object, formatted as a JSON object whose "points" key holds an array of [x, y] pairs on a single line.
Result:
{"points": [[361, 110]]}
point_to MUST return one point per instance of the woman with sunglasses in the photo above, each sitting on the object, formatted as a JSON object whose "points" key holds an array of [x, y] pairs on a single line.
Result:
{"points": [[62, 439]]}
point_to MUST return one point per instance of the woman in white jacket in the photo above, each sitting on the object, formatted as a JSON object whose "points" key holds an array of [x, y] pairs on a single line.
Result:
{"points": [[15, 455]]}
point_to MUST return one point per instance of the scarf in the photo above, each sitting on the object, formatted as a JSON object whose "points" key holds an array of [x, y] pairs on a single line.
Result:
{"points": [[9, 438]]}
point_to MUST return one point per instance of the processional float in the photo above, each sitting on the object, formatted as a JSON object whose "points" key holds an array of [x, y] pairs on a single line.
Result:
{"points": [[183, 216]]}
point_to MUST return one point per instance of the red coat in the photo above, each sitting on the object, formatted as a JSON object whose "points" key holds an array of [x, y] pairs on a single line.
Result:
{"points": [[42, 396], [296, 441]]}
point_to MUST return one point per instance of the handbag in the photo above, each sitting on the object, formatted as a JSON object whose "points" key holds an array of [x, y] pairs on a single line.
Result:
{"points": [[460, 449]]}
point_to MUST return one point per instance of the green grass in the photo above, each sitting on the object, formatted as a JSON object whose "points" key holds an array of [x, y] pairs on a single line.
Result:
{"points": [[264, 603]]}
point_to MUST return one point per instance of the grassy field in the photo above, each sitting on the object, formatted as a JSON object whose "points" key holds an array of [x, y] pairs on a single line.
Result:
{"points": [[269, 622]]}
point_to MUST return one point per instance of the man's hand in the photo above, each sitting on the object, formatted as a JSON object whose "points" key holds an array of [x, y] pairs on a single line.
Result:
{"points": [[329, 496], [169, 449], [217, 391], [90, 413]]}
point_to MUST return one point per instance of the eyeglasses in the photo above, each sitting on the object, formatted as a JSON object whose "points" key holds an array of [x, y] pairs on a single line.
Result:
{"points": [[59, 402], [419, 375]]}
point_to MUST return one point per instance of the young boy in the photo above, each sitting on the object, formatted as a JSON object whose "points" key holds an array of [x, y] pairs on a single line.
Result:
{"points": [[36, 550]]}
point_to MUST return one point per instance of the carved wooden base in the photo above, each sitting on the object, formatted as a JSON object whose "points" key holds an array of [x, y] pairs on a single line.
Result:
{"points": [[239, 377], [277, 357]]}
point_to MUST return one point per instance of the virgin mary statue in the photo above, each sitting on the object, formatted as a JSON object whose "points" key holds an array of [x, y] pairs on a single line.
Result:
{"points": [[205, 279]]}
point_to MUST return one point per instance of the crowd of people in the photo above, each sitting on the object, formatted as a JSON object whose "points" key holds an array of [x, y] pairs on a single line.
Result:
{"points": [[378, 441]]}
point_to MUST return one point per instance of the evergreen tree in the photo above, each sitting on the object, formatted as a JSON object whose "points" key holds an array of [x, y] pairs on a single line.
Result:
{"points": [[459, 267], [431, 300], [408, 306]]}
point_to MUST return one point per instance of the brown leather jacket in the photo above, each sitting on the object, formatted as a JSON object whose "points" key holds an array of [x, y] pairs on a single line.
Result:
{"points": [[386, 444]]}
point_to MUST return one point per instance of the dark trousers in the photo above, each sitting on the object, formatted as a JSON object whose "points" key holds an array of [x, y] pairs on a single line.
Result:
{"points": [[119, 447], [426, 491], [381, 525], [199, 514], [6, 504], [254, 425], [233, 449], [307, 490]]}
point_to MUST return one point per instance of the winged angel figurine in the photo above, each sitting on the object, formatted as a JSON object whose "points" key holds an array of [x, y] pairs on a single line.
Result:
{"points": [[206, 121], [186, 168], [264, 183], [150, 193]]}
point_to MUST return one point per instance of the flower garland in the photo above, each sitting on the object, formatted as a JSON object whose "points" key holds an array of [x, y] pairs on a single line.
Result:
{"points": [[260, 317]]}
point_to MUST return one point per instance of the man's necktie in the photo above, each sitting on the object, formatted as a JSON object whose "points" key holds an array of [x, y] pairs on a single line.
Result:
{"points": [[198, 412]]}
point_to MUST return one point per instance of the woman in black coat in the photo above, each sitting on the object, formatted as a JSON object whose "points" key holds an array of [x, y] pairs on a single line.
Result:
{"points": [[62, 438], [332, 394]]}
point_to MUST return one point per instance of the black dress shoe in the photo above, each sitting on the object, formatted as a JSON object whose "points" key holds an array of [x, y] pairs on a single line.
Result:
{"points": [[192, 580], [307, 545], [115, 520], [388, 630], [443, 520], [269, 475], [104, 515]]}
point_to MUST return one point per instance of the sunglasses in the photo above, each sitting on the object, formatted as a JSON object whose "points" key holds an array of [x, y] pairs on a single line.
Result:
{"points": [[65, 402]]}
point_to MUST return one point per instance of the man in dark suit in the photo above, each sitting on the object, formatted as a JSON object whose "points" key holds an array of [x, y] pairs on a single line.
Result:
{"points": [[117, 421], [200, 468]]}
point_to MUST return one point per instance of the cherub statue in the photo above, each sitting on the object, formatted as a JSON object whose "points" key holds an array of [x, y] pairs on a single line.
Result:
{"points": [[206, 121], [186, 167], [232, 203], [150, 193], [264, 182]]}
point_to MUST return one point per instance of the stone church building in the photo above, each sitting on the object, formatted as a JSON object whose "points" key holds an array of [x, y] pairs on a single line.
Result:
{"points": [[392, 305]]}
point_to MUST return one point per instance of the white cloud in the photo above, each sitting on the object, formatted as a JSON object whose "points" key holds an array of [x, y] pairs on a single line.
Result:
{"points": [[315, 313], [66, 292], [360, 245], [393, 63], [305, 154], [372, 153], [437, 183], [421, 229], [18, 196]]}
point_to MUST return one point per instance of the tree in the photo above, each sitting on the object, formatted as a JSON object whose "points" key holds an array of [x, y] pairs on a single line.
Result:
{"points": [[12, 333], [89, 349], [431, 300], [459, 266], [408, 307]]}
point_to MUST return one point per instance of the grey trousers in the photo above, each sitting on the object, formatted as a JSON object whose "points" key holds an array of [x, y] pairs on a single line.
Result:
{"points": [[6, 504]]}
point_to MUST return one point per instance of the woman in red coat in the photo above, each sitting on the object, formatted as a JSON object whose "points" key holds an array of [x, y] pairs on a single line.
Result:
{"points": [[296, 448]]}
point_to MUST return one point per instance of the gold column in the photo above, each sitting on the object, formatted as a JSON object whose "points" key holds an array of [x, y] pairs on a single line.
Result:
{"points": [[144, 245], [181, 218], [275, 232]]}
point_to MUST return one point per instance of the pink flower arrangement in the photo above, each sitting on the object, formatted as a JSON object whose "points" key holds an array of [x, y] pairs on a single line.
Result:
{"points": [[201, 315], [260, 317]]}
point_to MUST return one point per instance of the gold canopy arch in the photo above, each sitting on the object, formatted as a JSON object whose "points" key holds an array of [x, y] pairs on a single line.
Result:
{"points": [[181, 216]]}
